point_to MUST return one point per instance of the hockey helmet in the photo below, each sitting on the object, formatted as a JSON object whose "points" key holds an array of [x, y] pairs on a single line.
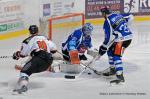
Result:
{"points": [[105, 10], [87, 29], [33, 29]]}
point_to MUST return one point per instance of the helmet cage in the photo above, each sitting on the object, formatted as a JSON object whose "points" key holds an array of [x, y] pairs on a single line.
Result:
{"points": [[87, 29]]}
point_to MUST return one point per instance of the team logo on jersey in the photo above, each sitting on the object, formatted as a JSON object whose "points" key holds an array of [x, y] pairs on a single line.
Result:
{"points": [[131, 6]]}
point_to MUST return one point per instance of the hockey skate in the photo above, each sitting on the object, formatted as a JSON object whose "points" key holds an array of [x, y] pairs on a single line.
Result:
{"points": [[111, 72], [20, 90], [119, 80], [21, 86]]}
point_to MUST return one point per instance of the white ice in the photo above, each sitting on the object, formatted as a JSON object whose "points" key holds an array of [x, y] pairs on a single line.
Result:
{"points": [[53, 85]]}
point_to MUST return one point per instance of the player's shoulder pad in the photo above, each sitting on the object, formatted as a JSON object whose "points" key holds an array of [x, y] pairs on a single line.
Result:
{"points": [[26, 41], [43, 36], [112, 15], [78, 33]]}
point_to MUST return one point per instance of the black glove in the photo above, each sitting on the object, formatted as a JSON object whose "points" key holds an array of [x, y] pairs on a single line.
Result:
{"points": [[16, 55], [102, 50], [82, 57]]}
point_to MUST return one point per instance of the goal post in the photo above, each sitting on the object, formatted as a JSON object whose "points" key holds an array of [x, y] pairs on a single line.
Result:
{"points": [[58, 28], [81, 21]]}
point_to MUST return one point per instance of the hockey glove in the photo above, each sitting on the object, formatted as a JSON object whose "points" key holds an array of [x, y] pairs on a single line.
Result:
{"points": [[102, 50], [82, 48], [16, 55], [82, 57]]}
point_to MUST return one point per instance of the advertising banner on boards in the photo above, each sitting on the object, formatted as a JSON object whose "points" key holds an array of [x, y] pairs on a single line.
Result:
{"points": [[11, 14], [137, 7], [93, 7], [50, 8]]}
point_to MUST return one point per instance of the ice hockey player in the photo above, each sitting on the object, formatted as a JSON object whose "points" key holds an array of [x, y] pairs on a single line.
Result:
{"points": [[117, 38], [40, 49], [77, 44]]}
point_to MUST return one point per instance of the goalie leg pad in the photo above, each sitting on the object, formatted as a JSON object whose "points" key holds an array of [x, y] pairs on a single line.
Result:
{"points": [[74, 57]]}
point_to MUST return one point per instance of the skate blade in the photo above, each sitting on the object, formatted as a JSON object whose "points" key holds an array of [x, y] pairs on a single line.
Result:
{"points": [[108, 77], [17, 93], [117, 84]]}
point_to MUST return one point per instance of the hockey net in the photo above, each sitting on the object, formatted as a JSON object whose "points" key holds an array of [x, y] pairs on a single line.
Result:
{"points": [[58, 28]]}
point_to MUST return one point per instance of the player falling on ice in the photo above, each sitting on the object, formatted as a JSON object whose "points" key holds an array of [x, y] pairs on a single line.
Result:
{"points": [[116, 32], [40, 49], [77, 44]]}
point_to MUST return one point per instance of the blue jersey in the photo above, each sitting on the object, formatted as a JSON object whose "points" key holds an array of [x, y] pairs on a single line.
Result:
{"points": [[115, 28], [77, 40]]}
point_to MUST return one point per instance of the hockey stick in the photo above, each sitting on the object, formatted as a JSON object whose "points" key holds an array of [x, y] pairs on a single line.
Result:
{"points": [[81, 64], [85, 67], [5, 56], [88, 65]]}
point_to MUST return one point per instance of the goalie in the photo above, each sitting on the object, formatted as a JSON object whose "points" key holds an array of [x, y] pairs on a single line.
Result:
{"points": [[77, 44]]}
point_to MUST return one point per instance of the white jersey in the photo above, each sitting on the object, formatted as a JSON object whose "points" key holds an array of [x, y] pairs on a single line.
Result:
{"points": [[37, 43]]}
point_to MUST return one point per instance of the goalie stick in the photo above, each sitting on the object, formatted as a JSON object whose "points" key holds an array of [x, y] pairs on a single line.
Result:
{"points": [[85, 66], [81, 64]]}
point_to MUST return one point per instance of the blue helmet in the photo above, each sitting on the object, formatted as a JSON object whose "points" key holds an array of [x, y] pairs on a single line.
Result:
{"points": [[87, 29]]}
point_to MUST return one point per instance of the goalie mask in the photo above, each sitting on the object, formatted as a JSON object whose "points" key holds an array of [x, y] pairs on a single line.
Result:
{"points": [[87, 29], [33, 29]]}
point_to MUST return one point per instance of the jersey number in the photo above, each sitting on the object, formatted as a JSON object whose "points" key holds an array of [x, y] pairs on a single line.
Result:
{"points": [[42, 45], [124, 28]]}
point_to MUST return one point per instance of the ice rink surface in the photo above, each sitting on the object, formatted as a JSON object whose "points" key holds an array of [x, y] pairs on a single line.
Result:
{"points": [[54, 86]]}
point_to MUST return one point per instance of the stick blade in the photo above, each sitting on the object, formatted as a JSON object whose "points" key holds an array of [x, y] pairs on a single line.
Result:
{"points": [[69, 77]]}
